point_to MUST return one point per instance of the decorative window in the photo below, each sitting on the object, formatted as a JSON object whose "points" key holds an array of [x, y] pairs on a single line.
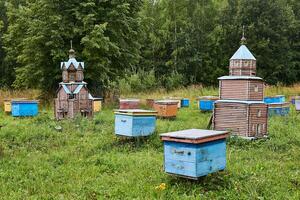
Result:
{"points": [[259, 113], [72, 77], [255, 88], [258, 131], [71, 96]]}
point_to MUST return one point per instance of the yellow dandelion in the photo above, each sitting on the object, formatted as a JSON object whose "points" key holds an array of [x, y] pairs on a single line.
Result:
{"points": [[161, 187]]}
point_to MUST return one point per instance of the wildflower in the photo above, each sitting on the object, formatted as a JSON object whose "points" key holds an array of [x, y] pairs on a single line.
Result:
{"points": [[161, 187]]}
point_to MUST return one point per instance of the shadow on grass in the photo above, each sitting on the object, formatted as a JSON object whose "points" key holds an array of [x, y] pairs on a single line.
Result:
{"points": [[211, 183]]}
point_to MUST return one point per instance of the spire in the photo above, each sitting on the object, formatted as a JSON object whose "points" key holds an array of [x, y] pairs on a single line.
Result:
{"points": [[243, 39], [71, 51]]}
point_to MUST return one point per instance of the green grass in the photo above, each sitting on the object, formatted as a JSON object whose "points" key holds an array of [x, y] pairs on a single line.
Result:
{"points": [[87, 161]]}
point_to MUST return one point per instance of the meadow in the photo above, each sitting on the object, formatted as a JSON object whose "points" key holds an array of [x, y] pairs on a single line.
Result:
{"points": [[85, 160]]}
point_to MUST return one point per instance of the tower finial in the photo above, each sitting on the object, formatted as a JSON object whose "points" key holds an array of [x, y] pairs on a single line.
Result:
{"points": [[243, 39], [71, 51]]}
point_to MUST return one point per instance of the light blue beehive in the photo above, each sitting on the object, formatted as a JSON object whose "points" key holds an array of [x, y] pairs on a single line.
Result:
{"points": [[135, 122], [194, 153], [24, 108]]}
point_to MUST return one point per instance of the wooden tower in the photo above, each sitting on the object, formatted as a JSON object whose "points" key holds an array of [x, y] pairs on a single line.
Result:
{"points": [[241, 109], [73, 97]]}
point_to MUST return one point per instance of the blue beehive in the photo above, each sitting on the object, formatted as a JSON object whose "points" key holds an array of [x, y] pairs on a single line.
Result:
{"points": [[206, 103], [194, 153], [185, 102], [24, 108], [275, 99], [135, 122], [278, 109]]}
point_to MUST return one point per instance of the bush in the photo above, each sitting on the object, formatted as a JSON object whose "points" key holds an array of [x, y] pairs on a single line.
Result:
{"points": [[138, 82], [173, 81]]}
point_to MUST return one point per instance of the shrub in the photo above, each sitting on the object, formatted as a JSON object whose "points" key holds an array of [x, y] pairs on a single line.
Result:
{"points": [[174, 80]]}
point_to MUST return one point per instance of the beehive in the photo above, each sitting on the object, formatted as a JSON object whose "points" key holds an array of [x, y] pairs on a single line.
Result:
{"points": [[275, 99], [129, 103], [194, 153], [242, 118], [241, 88], [166, 108], [7, 105], [97, 104], [297, 104], [279, 109], [178, 99], [135, 122], [185, 102], [24, 108], [150, 102], [206, 103]]}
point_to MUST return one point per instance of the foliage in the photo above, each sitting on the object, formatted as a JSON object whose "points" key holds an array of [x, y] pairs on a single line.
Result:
{"points": [[189, 40]]}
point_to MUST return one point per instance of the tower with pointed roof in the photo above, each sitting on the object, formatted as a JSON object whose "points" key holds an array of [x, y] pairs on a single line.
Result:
{"points": [[73, 97], [242, 63], [241, 108]]}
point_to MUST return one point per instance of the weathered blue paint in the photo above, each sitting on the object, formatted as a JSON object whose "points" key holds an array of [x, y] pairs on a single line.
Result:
{"points": [[194, 160], [24, 108], [275, 99], [185, 102], [206, 104], [134, 126], [279, 111]]}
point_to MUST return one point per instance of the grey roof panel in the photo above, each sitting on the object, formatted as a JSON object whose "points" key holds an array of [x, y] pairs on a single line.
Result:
{"points": [[193, 134], [243, 53], [239, 78]]}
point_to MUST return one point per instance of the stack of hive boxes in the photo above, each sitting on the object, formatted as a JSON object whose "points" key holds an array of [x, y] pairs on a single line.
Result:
{"points": [[241, 108]]}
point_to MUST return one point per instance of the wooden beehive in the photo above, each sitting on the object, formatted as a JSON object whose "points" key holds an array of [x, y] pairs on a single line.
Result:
{"points": [[178, 99], [242, 118], [194, 153], [150, 102], [241, 88], [135, 122], [73, 96], [129, 103], [7, 105], [166, 108]]}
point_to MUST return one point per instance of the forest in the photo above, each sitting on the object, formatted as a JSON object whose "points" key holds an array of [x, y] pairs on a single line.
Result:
{"points": [[138, 45]]}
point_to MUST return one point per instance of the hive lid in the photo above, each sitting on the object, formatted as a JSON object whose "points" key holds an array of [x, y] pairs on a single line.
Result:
{"points": [[136, 112], [175, 98], [24, 101], [239, 78], [279, 105], [133, 100], [208, 97], [167, 102], [195, 136], [238, 101]]}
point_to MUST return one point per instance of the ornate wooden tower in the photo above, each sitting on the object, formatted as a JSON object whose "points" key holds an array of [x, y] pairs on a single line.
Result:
{"points": [[241, 108], [73, 97]]}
